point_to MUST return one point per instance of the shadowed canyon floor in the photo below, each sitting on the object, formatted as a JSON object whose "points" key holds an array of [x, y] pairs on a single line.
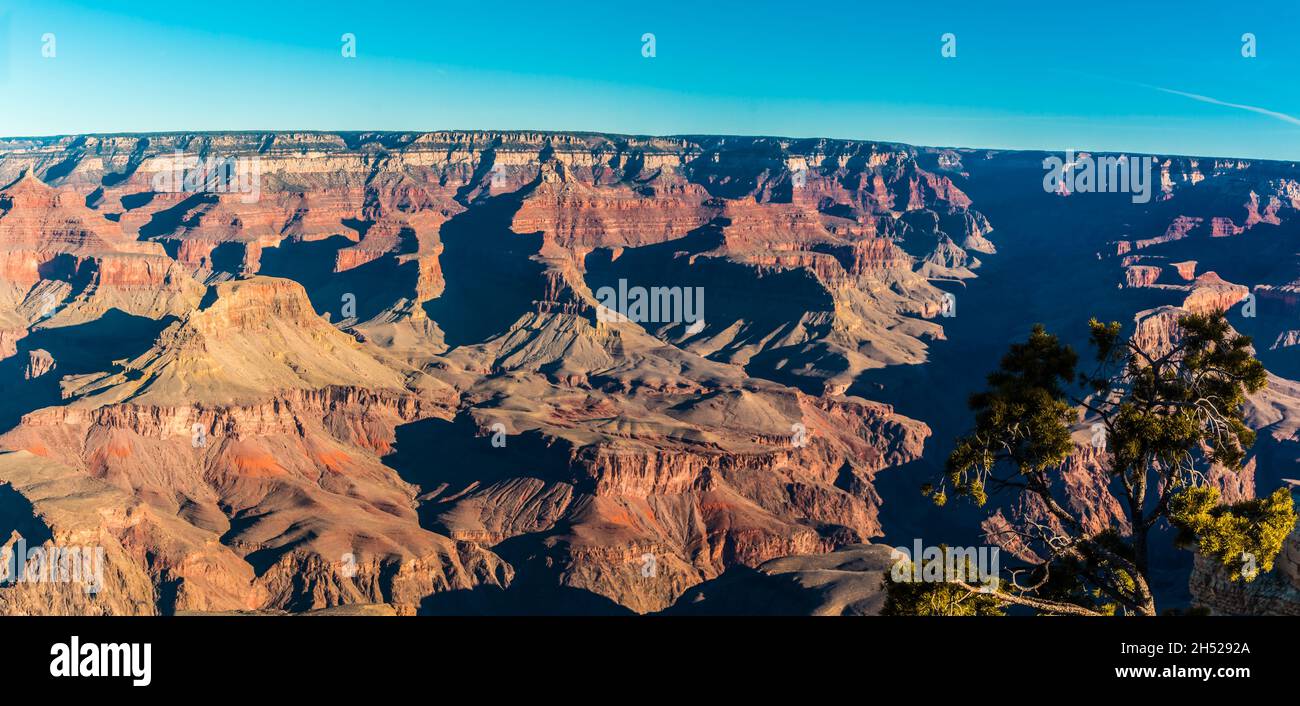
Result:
{"points": [[387, 383]]}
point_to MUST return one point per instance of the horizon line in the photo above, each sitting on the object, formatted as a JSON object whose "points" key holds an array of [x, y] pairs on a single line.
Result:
{"points": [[599, 133]]}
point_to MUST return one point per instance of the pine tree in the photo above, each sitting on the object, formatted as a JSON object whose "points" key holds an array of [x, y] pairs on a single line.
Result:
{"points": [[1166, 414]]}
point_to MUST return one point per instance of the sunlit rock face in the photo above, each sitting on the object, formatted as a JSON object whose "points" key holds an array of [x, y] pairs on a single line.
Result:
{"points": [[298, 371]]}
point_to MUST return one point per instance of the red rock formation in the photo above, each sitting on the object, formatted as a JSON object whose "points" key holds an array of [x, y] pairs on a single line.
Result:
{"points": [[39, 362], [1211, 293], [245, 448], [1141, 275], [1180, 228], [1186, 270], [1221, 227]]}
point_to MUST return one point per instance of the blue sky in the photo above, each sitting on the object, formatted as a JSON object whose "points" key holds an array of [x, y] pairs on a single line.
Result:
{"points": [[1027, 75]]}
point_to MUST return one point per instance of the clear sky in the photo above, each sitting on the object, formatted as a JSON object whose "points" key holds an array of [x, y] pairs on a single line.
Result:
{"points": [[1142, 75]]}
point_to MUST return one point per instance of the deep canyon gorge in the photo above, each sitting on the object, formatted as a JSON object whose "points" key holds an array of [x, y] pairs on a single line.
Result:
{"points": [[383, 382]]}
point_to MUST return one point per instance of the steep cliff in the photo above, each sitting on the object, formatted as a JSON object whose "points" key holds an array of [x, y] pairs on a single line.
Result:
{"points": [[296, 319], [308, 370]]}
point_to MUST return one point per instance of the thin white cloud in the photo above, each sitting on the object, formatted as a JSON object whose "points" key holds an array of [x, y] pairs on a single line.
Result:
{"points": [[1239, 106]]}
